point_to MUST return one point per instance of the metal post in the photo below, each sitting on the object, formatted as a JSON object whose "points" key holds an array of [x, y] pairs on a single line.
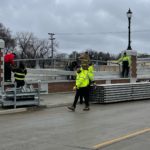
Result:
{"points": [[37, 66], [39, 87], [53, 62], [2, 45], [15, 92]]}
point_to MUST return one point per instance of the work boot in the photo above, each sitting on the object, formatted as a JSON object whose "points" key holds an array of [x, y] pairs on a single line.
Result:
{"points": [[71, 108], [81, 102], [7, 80], [86, 109]]}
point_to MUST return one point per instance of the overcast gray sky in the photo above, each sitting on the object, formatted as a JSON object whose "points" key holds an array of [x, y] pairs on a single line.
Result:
{"points": [[101, 25]]}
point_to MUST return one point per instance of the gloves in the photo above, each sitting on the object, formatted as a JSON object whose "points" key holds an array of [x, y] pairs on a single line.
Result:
{"points": [[93, 83], [74, 88]]}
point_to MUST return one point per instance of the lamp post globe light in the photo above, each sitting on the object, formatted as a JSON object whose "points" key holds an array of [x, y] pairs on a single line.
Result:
{"points": [[129, 15]]}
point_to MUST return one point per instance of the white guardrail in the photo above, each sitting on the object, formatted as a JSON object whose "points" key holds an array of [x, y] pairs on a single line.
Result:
{"points": [[109, 71]]}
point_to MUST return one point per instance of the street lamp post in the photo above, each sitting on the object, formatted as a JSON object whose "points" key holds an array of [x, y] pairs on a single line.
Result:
{"points": [[129, 15]]}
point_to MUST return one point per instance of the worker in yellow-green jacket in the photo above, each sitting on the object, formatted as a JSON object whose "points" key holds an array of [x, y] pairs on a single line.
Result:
{"points": [[91, 72], [81, 87], [126, 61]]}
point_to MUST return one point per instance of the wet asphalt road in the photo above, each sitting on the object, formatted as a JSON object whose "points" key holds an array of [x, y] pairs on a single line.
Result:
{"points": [[60, 129]]}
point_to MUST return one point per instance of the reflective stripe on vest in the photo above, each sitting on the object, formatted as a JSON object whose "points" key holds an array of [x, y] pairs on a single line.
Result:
{"points": [[19, 76]]}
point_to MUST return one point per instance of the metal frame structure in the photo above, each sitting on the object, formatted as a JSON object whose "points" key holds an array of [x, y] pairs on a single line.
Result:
{"points": [[24, 96]]}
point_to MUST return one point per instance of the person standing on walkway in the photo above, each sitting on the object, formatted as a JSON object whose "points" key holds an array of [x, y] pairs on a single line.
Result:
{"points": [[91, 78], [80, 97], [82, 88], [8, 63], [19, 74], [126, 61]]}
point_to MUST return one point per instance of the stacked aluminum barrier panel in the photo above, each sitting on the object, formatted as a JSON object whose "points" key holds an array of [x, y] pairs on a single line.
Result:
{"points": [[141, 91], [108, 93]]}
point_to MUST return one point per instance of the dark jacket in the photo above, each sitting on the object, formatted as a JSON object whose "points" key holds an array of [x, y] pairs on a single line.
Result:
{"points": [[19, 75]]}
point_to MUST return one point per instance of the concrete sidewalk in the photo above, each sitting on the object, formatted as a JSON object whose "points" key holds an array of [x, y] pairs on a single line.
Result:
{"points": [[57, 99]]}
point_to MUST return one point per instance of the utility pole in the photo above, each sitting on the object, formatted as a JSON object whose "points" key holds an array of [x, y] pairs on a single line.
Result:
{"points": [[52, 43]]}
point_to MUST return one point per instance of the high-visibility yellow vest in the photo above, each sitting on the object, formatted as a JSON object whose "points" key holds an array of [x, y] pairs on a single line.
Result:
{"points": [[91, 72], [82, 79], [125, 58]]}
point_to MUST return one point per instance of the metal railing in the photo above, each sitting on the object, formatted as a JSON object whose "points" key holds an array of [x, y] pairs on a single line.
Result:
{"points": [[60, 69], [56, 63], [51, 69]]}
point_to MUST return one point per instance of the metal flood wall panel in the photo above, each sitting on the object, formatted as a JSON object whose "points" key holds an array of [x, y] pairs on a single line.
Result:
{"points": [[108, 93]]}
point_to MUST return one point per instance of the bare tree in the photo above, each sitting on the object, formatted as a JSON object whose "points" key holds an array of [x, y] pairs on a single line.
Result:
{"points": [[24, 41], [62, 56], [44, 51], [5, 34], [32, 47]]}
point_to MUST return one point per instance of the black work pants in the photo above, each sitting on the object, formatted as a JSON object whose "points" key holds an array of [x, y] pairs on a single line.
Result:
{"points": [[125, 72], [20, 83], [84, 92], [7, 71], [125, 69], [81, 99]]}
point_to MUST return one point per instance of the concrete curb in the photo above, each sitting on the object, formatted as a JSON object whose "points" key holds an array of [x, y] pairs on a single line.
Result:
{"points": [[34, 108], [58, 105], [12, 111], [20, 110]]}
